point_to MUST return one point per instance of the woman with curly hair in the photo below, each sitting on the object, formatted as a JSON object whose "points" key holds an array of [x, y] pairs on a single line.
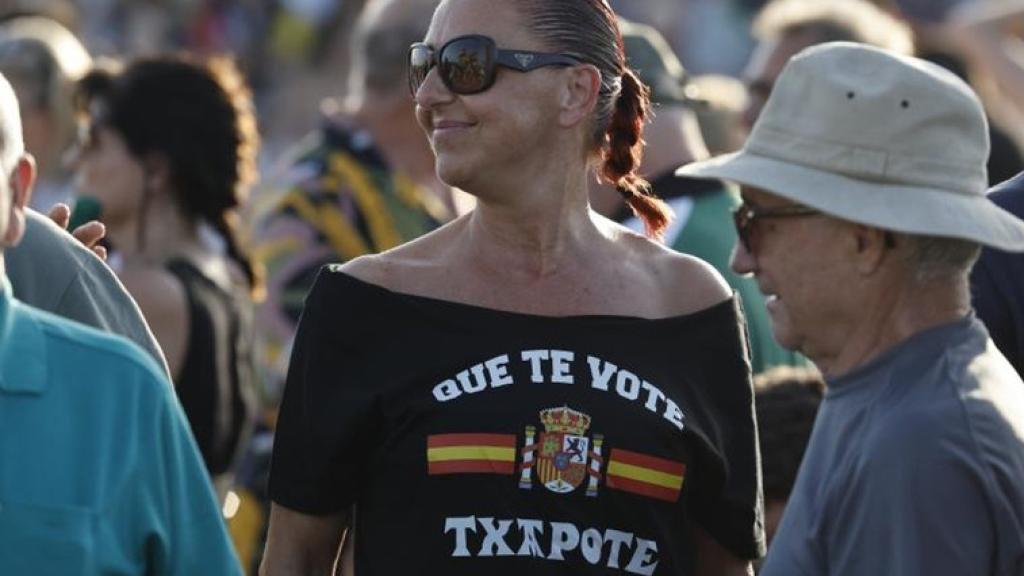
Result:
{"points": [[168, 150]]}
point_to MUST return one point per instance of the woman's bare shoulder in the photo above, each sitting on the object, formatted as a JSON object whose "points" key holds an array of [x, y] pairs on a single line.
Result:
{"points": [[402, 266], [684, 284], [692, 284], [154, 288], [161, 298]]}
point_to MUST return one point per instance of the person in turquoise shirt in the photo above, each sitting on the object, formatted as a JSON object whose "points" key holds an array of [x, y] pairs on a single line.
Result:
{"points": [[98, 471]]}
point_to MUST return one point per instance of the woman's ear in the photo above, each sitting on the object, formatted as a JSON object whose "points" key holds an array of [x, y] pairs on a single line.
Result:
{"points": [[157, 171], [579, 94]]}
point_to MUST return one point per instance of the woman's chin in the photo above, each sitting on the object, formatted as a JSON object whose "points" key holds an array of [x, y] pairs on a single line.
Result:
{"points": [[453, 173]]}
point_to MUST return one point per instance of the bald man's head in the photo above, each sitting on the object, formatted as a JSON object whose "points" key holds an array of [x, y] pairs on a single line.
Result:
{"points": [[380, 44]]}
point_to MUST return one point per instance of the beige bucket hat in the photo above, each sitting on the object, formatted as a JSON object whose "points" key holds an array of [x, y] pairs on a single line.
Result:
{"points": [[876, 138]]}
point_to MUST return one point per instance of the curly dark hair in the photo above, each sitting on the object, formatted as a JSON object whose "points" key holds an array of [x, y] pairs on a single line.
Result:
{"points": [[198, 116]]}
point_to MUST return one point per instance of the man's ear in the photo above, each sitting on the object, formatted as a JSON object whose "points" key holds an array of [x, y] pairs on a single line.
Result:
{"points": [[870, 247], [22, 181], [579, 94]]}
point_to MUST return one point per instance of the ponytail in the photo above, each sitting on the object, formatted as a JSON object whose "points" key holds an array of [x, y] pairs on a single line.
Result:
{"points": [[226, 225], [623, 153]]}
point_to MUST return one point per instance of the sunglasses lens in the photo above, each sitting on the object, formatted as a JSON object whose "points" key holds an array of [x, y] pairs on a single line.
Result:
{"points": [[466, 66], [420, 63]]}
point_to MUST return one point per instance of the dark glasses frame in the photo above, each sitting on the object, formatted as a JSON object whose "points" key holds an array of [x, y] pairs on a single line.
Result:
{"points": [[423, 58], [745, 217]]}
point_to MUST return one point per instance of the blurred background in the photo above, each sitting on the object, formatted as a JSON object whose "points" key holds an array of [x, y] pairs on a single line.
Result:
{"points": [[296, 56]]}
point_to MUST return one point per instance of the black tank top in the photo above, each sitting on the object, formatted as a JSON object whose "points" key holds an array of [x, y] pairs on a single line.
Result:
{"points": [[216, 380]]}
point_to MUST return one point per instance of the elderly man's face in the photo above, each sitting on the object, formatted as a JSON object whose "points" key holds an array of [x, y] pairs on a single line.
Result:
{"points": [[801, 267]]}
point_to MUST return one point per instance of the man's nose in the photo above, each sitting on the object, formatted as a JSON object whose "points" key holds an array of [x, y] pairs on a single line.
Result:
{"points": [[742, 261]]}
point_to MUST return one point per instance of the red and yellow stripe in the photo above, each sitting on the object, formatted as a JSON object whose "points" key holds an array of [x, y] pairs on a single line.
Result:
{"points": [[471, 454], [645, 475]]}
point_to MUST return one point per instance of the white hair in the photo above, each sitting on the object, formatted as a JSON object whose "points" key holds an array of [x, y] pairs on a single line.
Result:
{"points": [[379, 46], [938, 258]]}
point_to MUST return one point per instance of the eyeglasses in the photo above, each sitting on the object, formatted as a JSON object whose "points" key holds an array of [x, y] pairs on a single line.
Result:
{"points": [[468, 64], [746, 216]]}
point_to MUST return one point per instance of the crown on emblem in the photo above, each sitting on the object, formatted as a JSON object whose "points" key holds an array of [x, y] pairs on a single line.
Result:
{"points": [[565, 419]]}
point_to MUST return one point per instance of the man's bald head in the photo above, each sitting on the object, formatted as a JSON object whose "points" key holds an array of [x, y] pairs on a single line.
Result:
{"points": [[380, 44], [12, 144], [18, 167]]}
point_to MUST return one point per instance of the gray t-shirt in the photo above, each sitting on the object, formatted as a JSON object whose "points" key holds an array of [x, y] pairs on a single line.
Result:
{"points": [[52, 271], [915, 466]]}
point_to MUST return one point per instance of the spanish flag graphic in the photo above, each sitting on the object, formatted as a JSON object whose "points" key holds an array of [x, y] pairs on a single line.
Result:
{"points": [[645, 475], [471, 454]]}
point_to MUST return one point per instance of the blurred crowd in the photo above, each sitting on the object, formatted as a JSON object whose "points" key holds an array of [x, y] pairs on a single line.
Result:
{"points": [[268, 138]]}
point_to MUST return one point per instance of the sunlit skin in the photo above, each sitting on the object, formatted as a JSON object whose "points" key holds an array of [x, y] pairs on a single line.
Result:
{"points": [[798, 264], [838, 291], [477, 137]]}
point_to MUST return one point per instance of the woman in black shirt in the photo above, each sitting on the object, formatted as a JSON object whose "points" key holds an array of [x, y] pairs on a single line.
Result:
{"points": [[531, 389]]}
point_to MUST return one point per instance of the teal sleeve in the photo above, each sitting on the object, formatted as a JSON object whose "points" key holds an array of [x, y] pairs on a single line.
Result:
{"points": [[190, 537], [709, 235]]}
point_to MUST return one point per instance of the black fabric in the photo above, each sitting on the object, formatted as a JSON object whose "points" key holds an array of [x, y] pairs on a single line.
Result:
{"points": [[997, 283], [216, 380], [372, 384]]}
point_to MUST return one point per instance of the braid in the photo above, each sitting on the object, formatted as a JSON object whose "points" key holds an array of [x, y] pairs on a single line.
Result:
{"points": [[623, 153], [226, 224]]}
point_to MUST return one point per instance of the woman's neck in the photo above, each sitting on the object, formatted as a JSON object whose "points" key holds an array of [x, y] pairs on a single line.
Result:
{"points": [[156, 235], [532, 233]]}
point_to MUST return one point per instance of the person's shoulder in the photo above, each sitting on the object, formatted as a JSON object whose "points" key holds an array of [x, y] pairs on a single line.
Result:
{"points": [[111, 358], [1009, 195], [692, 284], [45, 240], [155, 288], [931, 424], [48, 260], [398, 267], [684, 284]]}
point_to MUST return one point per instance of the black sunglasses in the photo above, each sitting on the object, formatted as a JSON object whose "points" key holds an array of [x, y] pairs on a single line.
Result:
{"points": [[746, 216], [468, 64]]}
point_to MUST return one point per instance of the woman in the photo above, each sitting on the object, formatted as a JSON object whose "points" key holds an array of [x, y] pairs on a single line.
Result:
{"points": [[530, 389], [169, 152]]}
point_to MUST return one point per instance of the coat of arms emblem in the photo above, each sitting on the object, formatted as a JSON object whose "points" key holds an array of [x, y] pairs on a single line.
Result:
{"points": [[564, 456]]}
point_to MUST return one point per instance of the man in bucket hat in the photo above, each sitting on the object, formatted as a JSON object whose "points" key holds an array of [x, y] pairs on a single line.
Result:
{"points": [[863, 184]]}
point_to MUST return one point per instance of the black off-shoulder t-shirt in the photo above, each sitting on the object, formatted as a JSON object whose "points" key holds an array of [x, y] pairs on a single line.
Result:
{"points": [[477, 441]]}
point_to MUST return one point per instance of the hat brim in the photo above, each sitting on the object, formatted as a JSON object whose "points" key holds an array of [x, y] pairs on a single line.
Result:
{"points": [[907, 209]]}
